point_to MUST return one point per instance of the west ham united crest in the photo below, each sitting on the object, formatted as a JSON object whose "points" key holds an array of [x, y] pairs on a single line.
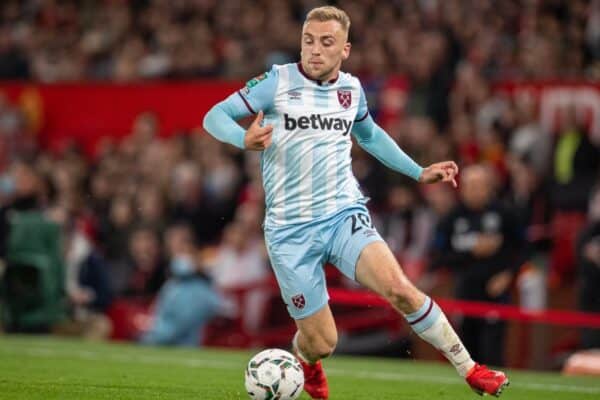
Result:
{"points": [[345, 98], [298, 301]]}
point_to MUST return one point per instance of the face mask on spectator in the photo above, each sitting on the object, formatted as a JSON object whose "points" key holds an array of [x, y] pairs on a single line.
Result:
{"points": [[7, 185], [182, 266]]}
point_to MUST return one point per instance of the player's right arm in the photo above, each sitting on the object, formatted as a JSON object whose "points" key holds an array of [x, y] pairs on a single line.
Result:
{"points": [[255, 97]]}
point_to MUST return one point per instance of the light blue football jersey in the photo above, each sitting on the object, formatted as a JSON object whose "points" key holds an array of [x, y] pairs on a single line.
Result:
{"points": [[307, 170]]}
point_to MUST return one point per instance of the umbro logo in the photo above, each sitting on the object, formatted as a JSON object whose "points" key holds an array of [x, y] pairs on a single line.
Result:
{"points": [[294, 95], [456, 349], [370, 233]]}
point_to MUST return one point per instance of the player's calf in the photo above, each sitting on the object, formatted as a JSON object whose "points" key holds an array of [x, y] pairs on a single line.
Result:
{"points": [[402, 294]]}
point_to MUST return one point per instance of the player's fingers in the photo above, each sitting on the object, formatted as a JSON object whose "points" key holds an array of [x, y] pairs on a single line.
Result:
{"points": [[448, 174], [452, 172], [266, 136], [262, 139], [449, 165], [259, 118], [453, 168], [265, 130], [261, 132], [454, 183]]}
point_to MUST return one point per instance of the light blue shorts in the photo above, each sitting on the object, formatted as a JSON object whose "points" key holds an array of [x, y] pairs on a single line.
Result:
{"points": [[299, 252]]}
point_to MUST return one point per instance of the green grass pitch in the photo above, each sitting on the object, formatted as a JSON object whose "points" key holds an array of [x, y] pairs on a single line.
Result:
{"points": [[49, 368]]}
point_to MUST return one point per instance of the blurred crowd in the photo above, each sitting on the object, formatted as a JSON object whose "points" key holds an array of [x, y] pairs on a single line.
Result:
{"points": [[142, 213], [188, 210], [57, 40]]}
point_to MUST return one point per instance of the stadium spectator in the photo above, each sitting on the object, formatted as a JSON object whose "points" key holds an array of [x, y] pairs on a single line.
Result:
{"points": [[151, 208], [407, 227], [441, 199], [575, 163], [116, 229], [529, 142], [527, 196], [15, 139], [588, 260], [528, 199], [575, 170], [33, 282], [187, 301], [21, 185], [482, 243], [14, 63], [146, 269], [189, 203], [241, 262], [87, 286]]}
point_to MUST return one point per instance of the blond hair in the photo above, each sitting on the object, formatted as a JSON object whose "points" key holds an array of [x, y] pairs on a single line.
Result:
{"points": [[329, 13]]}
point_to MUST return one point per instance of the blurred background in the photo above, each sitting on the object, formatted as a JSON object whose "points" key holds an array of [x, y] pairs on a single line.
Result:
{"points": [[122, 219]]}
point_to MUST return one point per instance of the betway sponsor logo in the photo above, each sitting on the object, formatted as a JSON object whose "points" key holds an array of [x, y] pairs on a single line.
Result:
{"points": [[316, 121]]}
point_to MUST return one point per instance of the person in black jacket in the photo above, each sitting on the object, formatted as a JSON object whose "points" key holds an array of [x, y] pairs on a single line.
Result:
{"points": [[588, 262], [483, 243]]}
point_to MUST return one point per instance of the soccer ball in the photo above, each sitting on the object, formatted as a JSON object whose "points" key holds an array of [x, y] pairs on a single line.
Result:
{"points": [[274, 374]]}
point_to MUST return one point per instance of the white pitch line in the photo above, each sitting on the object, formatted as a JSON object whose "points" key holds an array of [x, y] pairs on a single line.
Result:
{"points": [[196, 363]]}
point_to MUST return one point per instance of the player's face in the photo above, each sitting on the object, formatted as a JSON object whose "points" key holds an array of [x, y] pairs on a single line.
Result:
{"points": [[324, 47]]}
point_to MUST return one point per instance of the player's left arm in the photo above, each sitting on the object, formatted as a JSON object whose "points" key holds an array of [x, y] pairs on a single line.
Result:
{"points": [[380, 145]]}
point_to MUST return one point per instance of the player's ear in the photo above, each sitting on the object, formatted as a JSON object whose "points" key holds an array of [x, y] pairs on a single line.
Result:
{"points": [[346, 50]]}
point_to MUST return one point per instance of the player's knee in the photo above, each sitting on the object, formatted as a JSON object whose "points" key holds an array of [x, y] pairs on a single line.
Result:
{"points": [[323, 345], [330, 343], [325, 349]]}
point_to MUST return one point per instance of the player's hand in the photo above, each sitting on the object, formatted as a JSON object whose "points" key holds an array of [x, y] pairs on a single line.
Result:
{"points": [[487, 244], [498, 284], [258, 137], [445, 171]]}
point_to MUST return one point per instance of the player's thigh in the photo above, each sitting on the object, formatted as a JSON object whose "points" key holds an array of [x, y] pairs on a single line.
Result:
{"points": [[296, 257], [378, 269], [348, 235]]}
